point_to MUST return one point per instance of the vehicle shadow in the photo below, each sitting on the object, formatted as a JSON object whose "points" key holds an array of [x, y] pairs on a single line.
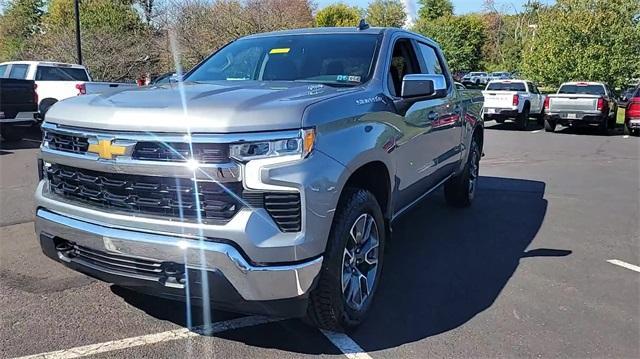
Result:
{"points": [[511, 125], [443, 266], [32, 139], [590, 130]]}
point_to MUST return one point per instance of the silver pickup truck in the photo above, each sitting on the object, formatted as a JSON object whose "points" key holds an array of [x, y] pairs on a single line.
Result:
{"points": [[581, 104], [267, 180]]}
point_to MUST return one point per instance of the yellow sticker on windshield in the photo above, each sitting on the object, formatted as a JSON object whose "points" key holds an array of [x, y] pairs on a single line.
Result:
{"points": [[283, 50]]}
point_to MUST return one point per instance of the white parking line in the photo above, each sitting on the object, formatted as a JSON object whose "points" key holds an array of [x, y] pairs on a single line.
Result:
{"points": [[167, 336], [346, 345], [624, 264], [536, 131]]}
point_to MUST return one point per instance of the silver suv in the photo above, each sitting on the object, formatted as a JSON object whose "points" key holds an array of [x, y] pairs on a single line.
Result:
{"points": [[267, 180]]}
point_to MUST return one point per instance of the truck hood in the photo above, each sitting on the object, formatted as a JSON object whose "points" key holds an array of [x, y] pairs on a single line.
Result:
{"points": [[217, 107]]}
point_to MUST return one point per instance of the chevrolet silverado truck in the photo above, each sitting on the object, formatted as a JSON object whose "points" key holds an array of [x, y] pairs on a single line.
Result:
{"points": [[18, 107], [513, 99], [581, 104], [267, 180]]}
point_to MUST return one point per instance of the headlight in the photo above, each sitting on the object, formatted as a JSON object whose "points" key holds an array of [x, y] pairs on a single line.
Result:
{"points": [[300, 145]]}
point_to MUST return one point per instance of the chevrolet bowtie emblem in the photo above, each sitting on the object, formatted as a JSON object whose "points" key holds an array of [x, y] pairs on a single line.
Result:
{"points": [[105, 149]]}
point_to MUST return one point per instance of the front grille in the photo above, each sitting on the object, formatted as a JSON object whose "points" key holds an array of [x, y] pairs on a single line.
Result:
{"points": [[180, 152], [284, 208], [164, 196], [117, 263], [66, 143]]}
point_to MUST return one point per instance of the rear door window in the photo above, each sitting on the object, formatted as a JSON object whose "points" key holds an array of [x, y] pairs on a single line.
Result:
{"points": [[18, 71], [54, 73]]}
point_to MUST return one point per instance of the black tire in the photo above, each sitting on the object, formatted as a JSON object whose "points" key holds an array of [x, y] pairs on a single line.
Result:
{"points": [[44, 106], [12, 133], [604, 126], [459, 191], [523, 119], [549, 125], [328, 308], [540, 118]]}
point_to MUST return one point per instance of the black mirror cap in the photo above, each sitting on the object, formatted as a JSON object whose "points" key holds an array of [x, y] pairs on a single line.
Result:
{"points": [[423, 86], [417, 88]]}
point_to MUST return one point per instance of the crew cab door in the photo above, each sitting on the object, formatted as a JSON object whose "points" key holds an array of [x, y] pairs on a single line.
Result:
{"points": [[431, 129], [535, 98]]}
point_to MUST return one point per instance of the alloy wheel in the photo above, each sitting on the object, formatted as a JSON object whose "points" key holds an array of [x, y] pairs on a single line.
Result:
{"points": [[360, 261]]}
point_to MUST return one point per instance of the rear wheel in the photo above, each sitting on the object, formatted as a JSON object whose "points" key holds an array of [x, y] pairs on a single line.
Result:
{"points": [[12, 133], [540, 118], [523, 119], [459, 191], [352, 263], [604, 126], [549, 125]]}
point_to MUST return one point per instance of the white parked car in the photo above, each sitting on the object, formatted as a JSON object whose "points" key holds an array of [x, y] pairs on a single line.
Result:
{"points": [[476, 78], [500, 75], [55, 81], [513, 99]]}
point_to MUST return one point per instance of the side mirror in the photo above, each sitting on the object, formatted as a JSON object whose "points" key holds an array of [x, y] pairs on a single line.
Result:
{"points": [[420, 86]]}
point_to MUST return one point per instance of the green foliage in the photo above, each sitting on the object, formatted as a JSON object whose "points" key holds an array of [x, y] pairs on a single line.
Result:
{"points": [[597, 40], [338, 14], [434, 9], [117, 15], [386, 13], [460, 37], [21, 20]]}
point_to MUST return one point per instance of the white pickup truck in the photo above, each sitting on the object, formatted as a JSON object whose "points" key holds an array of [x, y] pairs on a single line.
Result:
{"points": [[55, 81], [513, 99], [581, 104]]}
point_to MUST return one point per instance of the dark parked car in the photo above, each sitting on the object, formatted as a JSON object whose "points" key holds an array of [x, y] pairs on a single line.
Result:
{"points": [[18, 107]]}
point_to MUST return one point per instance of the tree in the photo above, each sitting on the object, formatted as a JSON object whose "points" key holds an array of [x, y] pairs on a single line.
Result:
{"points": [[434, 9], [460, 37], [116, 43], [386, 13], [21, 21], [338, 14], [597, 40]]}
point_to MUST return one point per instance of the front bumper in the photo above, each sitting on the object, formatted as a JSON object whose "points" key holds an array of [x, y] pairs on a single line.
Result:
{"points": [[222, 262]]}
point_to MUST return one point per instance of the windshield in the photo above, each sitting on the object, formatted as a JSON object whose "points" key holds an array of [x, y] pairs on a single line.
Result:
{"points": [[506, 86], [333, 59], [582, 90]]}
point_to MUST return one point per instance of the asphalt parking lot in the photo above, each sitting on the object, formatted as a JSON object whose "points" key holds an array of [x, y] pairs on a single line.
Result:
{"points": [[523, 273]]}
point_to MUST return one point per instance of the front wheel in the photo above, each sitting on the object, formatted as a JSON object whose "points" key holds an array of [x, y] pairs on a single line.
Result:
{"points": [[459, 191], [352, 263]]}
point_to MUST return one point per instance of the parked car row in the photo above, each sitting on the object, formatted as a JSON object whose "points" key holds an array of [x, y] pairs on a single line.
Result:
{"points": [[483, 78], [55, 81], [574, 104]]}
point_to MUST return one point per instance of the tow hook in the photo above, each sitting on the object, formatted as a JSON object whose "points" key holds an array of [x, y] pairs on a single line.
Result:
{"points": [[173, 276], [65, 251]]}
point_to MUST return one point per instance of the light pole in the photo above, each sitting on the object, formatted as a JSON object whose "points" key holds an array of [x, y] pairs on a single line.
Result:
{"points": [[78, 44]]}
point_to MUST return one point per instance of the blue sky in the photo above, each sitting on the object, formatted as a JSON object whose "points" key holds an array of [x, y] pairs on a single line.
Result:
{"points": [[461, 6]]}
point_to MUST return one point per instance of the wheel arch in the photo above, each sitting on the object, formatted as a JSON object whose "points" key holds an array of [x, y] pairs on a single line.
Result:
{"points": [[375, 177]]}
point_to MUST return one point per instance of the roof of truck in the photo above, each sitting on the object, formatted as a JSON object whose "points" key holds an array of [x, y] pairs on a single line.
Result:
{"points": [[45, 63], [324, 30]]}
